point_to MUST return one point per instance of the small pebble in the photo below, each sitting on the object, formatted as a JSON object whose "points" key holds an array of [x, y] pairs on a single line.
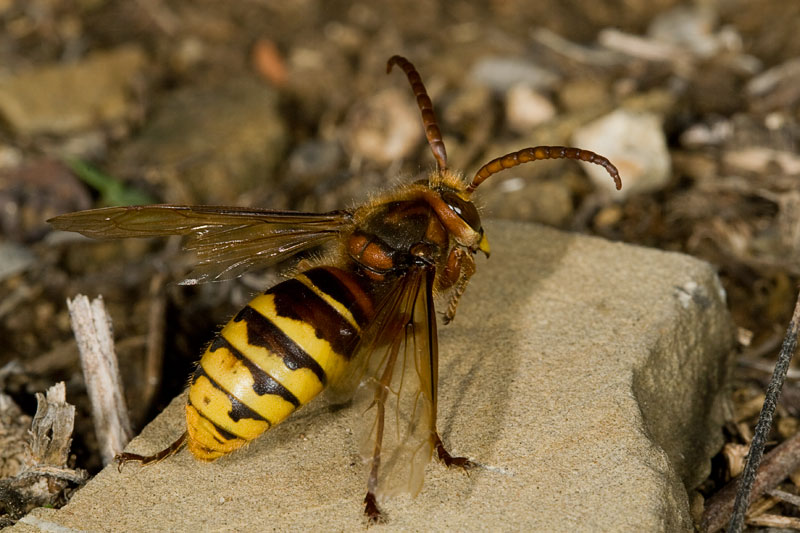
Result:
{"points": [[690, 28], [635, 143], [527, 108], [14, 259], [502, 73], [99, 90], [384, 128]]}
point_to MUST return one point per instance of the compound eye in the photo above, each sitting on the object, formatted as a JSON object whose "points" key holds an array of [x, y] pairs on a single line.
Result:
{"points": [[464, 209]]}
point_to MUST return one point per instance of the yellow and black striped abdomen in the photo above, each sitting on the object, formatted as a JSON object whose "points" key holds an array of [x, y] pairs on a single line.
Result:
{"points": [[274, 356]]}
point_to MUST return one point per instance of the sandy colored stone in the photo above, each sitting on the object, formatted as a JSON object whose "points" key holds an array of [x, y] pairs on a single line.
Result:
{"points": [[584, 374], [208, 144]]}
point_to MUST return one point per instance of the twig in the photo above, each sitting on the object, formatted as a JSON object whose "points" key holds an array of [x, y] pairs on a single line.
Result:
{"points": [[154, 355], [777, 464], [761, 506], [92, 327], [776, 521], [78, 476], [51, 428], [764, 423], [786, 497], [576, 52], [640, 47], [161, 15], [45, 472], [763, 349], [51, 438], [761, 366]]}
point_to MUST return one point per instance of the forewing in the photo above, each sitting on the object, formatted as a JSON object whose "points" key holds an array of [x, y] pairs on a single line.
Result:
{"points": [[400, 366], [226, 240]]}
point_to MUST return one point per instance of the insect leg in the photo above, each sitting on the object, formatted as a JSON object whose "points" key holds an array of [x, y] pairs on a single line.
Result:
{"points": [[460, 267], [170, 450], [370, 503], [465, 268], [445, 457]]}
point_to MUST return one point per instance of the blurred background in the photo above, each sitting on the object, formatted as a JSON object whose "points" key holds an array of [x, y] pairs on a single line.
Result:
{"points": [[287, 105]]}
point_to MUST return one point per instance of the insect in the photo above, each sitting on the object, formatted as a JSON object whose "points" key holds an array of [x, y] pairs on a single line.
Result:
{"points": [[363, 312]]}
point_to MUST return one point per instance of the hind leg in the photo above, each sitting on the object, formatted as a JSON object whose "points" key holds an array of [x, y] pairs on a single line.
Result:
{"points": [[170, 450]]}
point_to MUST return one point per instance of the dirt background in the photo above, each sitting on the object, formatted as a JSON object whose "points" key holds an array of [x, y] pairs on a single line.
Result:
{"points": [[287, 105]]}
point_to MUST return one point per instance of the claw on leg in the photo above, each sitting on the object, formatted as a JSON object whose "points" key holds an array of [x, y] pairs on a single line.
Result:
{"points": [[450, 461], [372, 510]]}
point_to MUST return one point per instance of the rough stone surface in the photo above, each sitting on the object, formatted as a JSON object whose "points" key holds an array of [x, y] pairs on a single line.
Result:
{"points": [[100, 91], [584, 374]]}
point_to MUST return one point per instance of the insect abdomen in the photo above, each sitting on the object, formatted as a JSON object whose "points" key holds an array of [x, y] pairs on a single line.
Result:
{"points": [[274, 356]]}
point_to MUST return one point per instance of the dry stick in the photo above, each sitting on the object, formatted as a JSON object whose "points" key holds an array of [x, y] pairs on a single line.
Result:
{"points": [[776, 521], [764, 422], [44, 473], [51, 428], [154, 355], [92, 327], [786, 496], [777, 464], [51, 437]]}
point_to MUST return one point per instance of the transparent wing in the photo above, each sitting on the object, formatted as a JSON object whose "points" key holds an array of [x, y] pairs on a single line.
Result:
{"points": [[227, 240], [399, 358]]}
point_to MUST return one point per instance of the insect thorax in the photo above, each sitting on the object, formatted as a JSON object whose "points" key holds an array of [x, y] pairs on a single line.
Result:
{"points": [[384, 240]]}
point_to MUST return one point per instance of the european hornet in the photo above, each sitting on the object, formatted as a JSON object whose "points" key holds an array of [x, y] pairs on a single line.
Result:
{"points": [[363, 312]]}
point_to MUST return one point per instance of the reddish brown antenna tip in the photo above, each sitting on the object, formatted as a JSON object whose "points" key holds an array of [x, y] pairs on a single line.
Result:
{"points": [[542, 152]]}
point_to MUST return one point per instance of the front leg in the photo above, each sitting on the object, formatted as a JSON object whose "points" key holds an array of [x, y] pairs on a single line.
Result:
{"points": [[460, 267]]}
